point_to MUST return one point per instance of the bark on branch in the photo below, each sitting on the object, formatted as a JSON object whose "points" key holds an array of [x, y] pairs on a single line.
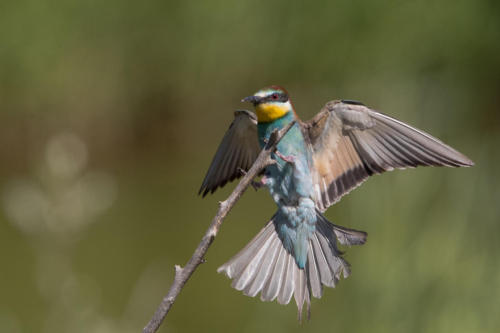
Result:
{"points": [[182, 274]]}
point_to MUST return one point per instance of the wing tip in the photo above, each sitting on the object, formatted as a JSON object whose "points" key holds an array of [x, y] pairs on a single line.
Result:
{"points": [[203, 191], [460, 160], [467, 162]]}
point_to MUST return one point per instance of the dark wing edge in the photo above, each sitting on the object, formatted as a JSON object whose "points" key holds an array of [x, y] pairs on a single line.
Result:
{"points": [[351, 142], [237, 151]]}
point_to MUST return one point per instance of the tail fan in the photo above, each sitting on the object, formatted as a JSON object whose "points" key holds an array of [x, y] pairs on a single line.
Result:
{"points": [[265, 266]]}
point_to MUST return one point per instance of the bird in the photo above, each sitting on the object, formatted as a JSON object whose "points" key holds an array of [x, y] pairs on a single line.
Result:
{"points": [[317, 162]]}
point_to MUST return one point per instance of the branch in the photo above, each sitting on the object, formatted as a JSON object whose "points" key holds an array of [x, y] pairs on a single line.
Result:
{"points": [[182, 274]]}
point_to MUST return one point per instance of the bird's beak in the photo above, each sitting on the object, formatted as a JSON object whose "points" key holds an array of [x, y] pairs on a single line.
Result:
{"points": [[252, 99]]}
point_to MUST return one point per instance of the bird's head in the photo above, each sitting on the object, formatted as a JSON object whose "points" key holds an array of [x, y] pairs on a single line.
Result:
{"points": [[270, 103]]}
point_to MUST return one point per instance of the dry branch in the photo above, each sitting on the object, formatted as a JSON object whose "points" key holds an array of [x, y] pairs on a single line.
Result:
{"points": [[182, 274]]}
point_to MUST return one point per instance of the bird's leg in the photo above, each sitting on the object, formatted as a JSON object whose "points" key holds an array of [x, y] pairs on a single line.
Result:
{"points": [[289, 158], [255, 184], [261, 183]]}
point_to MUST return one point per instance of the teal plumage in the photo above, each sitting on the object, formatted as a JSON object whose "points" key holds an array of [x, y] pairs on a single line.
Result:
{"points": [[317, 162], [291, 187]]}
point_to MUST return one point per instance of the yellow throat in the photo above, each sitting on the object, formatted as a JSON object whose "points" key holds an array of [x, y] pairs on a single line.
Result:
{"points": [[267, 112]]}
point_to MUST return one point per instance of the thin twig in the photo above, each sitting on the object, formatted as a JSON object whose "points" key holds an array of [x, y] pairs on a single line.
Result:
{"points": [[182, 274]]}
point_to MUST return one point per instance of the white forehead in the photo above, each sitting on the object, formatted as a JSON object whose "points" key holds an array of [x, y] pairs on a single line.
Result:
{"points": [[264, 93]]}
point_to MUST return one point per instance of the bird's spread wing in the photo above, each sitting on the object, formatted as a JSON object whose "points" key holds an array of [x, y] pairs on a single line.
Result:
{"points": [[237, 151], [350, 142]]}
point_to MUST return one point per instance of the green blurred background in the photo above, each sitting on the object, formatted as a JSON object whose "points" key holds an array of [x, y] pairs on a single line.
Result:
{"points": [[110, 112]]}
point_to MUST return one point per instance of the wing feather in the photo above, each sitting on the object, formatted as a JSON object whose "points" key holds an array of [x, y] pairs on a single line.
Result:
{"points": [[350, 142], [238, 149]]}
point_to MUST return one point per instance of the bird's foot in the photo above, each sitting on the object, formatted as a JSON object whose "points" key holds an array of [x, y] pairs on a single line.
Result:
{"points": [[289, 158], [259, 184], [255, 184]]}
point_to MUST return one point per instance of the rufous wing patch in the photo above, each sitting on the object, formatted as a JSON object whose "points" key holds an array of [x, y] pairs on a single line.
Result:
{"points": [[334, 161]]}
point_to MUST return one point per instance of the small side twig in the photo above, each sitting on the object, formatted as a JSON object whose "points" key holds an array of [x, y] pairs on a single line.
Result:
{"points": [[182, 274]]}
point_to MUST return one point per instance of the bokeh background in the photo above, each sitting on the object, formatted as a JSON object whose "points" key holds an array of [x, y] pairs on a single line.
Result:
{"points": [[110, 112]]}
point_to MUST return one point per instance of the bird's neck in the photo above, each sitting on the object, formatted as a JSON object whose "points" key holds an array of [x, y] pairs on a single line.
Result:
{"points": [[266, 128]]}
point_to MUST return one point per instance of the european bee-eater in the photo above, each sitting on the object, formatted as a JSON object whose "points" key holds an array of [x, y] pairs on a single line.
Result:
{"points": [[317, 162]]}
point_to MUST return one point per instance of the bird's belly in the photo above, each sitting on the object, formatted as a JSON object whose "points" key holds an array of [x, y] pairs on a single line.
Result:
{"points": [[296, 218], [288, 183]]}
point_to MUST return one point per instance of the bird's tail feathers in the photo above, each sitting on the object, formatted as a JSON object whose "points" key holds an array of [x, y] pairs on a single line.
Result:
{"points": [[265, 266], [344, 235]]}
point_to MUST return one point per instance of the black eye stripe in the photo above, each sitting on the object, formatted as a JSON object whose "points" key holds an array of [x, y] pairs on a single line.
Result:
{"points": [[282, 97]]}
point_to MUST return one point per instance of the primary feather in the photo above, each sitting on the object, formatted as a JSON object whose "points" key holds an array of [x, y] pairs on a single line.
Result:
{"points": [[351, 142], [237, 151]]}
